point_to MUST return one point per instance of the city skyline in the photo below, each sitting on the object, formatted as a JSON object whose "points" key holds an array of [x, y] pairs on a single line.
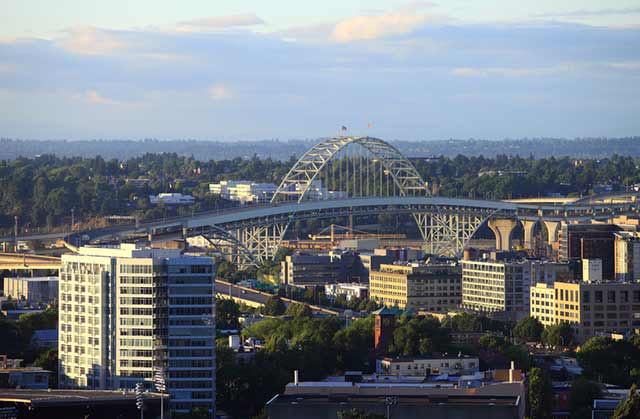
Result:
{"points": [[413, 70]]}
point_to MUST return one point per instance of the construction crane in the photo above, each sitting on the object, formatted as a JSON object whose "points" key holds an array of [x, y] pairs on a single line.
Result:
{"points": [[342, 233]]}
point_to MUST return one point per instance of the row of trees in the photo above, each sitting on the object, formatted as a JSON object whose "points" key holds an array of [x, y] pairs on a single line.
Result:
{"points": [[44, 190]]}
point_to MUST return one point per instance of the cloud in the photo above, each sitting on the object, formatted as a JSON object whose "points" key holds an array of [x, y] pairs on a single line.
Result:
{"points": [[428, 75], [220, 22], [220, 92], [365, 28], [92, 41], [508, 72], [590, 13], [95, 98]]}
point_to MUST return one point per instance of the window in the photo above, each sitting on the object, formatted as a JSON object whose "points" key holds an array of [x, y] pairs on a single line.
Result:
{"points": [[586, 296], [598, 296], [611, 296]]}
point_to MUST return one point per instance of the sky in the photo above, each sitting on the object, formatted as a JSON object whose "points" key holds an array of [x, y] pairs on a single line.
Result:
{"points": [[256, 69]]}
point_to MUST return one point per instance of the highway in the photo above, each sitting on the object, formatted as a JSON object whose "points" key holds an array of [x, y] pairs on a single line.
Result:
{"points": [[27, 261], [256, 298]]}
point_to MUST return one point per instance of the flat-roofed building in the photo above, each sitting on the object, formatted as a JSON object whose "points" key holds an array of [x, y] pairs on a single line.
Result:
{"points": [[405, 399], [627, 255], [591, 308], [417, 287], [348, 290], [493, 286], [125, 311], [424, 366], [307, 270], [34, 291]]}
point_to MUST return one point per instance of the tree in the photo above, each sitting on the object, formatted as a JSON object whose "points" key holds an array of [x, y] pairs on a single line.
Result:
{"points": [[558, 335], [630, 407], [540, 395], [298, 310], [583, 392], [49, 361], [610, 361], [358, 414], [528, 329], [274, 306], [227, 314]]}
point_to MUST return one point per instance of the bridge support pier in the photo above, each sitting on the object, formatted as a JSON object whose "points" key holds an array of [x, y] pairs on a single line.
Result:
{"points": [[553, 228], [502, 229], [528, 226]]}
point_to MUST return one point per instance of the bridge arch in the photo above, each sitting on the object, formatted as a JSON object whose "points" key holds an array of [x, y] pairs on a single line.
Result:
{"points": [[297, 182]]}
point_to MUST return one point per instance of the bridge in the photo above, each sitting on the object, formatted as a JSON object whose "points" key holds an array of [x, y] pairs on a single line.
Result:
{"points": [[364, 176]]}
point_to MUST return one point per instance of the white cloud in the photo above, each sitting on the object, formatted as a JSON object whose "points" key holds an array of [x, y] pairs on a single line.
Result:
{"points": [[364, 28], [95, 98], [220, 92], [509, 71], [220, 22], [591, 12], [92, 41]]}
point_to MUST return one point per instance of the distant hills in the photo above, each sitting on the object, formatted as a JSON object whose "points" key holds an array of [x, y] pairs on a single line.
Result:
{"points": [[282, 150]]}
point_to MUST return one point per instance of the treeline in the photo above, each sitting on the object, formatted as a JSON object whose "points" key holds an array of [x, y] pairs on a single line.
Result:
{"points": [[276, 149], [45, 190]]}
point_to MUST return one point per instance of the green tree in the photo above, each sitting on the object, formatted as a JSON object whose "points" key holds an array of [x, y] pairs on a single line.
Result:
{"points": [[540, 395], [298, 310], [558, 335], [274, 306], [358, 414], [610, 361], [528, 329], [630, 407], [583, 392], [227, 314], [49, 362]]}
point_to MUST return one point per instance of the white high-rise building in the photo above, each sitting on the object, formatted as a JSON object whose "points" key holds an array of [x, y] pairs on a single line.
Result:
{"points": [[125, 311]]}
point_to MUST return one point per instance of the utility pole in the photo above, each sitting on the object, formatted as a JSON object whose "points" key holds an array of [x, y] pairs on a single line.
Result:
{"points": [[73, 220], [15, 232]]}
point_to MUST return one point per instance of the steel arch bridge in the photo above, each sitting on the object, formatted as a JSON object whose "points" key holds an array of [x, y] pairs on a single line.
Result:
{"points": [[297, 182]]}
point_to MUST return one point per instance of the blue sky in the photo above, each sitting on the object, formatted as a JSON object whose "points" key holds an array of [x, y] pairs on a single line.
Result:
{"points": [[233, 70]]}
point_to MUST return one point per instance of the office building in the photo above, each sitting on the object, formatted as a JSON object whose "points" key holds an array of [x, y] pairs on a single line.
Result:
{"points": [[417, 286], [308, 270], [125, 311], [589, 241], [591, 308], [627, 255], [550, 272], [243, 191], [499, 287], [33, 291]]}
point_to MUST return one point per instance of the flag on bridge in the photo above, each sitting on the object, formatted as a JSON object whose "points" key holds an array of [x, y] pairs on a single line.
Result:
{"points": [[343, 128]]}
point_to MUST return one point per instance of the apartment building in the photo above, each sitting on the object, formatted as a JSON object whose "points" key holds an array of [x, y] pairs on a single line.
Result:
{"points": [[418, 287], [125, 311], [497, 286], [589, 307]]}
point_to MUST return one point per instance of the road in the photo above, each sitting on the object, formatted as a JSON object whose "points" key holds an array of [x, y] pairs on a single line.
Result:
{"points": [[255, 298], [27, 261]]}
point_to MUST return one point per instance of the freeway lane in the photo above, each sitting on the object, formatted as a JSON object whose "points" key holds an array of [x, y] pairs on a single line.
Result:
{"points": [[255, 298]]}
